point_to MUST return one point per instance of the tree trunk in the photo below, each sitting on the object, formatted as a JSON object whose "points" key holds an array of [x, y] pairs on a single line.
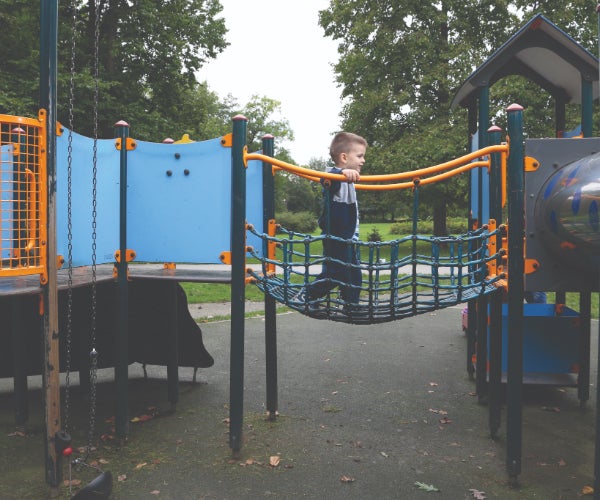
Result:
{"points": [[439, 218]]}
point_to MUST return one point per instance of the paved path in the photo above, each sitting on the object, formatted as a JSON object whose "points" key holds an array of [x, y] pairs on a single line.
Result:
{"points": [[366, 412]]}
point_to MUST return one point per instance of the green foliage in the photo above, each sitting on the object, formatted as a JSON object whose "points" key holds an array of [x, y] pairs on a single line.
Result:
{"points": [[400, 63], [374, 235], [301, 222], [455, 225]]}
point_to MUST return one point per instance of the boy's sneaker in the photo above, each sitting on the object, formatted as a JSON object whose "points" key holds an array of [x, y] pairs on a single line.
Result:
{"points": [[299, 298], [302, 300]]}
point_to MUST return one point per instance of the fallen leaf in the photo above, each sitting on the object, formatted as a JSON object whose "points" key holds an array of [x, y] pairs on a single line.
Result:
{"points": [[274, 460], [478, 495], [562, 463], [17, 433], [383, 454], [72, 482], [425, 487], [439, 412], [445, 420], [553, 409], [587, 490], [103, 461], [142, 418], [140, 466], [121, 477], [347, 479], [433, 384], [155, 492]]}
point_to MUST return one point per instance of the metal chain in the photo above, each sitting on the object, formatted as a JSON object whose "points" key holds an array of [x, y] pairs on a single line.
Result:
{"points": [[69, 334], [93, 352]]}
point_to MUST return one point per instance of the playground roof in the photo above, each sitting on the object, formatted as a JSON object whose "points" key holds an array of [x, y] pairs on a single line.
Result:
{"points": [[541, 52]]}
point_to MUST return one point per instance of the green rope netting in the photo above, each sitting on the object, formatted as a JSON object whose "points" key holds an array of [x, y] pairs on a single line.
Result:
{"points": [[400, 278]]}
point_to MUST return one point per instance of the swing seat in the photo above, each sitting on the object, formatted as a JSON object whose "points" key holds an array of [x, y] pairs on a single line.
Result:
{"points": [[100, 487]]}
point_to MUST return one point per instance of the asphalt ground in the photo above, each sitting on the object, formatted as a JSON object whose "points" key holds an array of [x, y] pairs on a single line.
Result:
{"points": [[365, 412]]}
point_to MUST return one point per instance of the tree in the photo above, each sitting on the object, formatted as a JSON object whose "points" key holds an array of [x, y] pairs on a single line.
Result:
{"points": [[19, 57], [399, 62], [262, 114], [148, 53]]}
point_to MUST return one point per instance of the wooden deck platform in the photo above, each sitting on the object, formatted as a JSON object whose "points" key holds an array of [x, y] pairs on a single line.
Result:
{"points": [[82, 276]]}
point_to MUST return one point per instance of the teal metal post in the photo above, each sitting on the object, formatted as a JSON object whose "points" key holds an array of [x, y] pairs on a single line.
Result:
{"points": [[122, 341], [482, 302], [495, 343], [484, 115], [16, 313], [587, 108], [472, 305], [238, 282], [597, 427], [597, 444], [585, 298], [50, 370], [270, 306], [585, 316], [516, 264]]}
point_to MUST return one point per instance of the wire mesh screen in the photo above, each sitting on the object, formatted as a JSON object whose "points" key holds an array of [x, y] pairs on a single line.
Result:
{"points": [[22, 196]]}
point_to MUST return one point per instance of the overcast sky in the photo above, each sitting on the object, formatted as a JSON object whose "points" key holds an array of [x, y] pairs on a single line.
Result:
{"points": [[285, 35]]}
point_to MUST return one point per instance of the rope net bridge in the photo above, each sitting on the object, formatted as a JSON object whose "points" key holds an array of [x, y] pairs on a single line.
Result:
{"points": [[394, 279]]}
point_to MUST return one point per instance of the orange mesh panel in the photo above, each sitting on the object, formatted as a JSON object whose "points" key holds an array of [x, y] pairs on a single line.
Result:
{"points": [[22, 196]]}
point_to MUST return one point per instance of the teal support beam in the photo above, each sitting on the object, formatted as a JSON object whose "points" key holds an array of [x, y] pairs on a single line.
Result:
{"points": [[559, 116], [238, 282], [481, 382], [495, 325], [516, 265], [587, 108], [268, 144], [122, 338], [484, 115], [472, 304]]}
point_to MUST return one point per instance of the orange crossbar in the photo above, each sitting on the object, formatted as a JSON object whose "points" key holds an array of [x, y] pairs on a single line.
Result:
{"points": [[432, 174]]}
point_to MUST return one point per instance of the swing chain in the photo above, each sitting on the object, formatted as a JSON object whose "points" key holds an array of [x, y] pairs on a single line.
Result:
{"points": [[69, 335], [93, 352]]}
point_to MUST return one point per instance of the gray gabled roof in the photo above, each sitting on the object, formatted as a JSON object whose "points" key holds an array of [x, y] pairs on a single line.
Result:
{"points": [[541, 52]]}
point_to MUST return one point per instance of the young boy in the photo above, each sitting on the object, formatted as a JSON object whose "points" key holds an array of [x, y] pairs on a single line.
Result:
{"points": [[340, 218]]}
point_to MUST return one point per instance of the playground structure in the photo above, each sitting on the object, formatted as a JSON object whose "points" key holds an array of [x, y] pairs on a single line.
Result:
{"points": [[554, 227], [140, 184]]}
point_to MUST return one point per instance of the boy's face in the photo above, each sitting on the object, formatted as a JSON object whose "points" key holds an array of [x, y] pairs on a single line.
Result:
{"points": [[353, 159]]}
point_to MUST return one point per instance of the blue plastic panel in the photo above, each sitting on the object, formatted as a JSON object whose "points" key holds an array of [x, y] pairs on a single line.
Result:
{"points": [[6, 200], [107, 198], [178, 200], [550, 342], [485, 196]]}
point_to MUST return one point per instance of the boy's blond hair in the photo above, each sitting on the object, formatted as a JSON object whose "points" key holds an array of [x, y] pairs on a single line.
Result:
{"points": [[342, 143]]}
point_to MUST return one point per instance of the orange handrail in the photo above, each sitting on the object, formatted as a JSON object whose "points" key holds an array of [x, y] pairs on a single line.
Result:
{"points": [[460, 162], [417, 181], [31, 209]]}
